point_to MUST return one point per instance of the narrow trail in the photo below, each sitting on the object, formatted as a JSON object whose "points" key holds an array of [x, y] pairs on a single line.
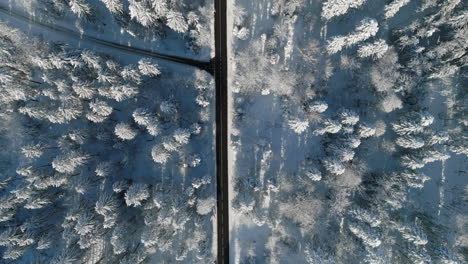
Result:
{"points": [[203, 65]]}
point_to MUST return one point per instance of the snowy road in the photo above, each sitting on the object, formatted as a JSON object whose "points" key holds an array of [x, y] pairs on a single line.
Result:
{"points": [[203, 65]]}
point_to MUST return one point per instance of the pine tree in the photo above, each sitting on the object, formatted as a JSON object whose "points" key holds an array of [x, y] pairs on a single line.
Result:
{"points": [[392, 8], [366, 234], [142, 12], [148, 67], [143, 117], [333, 166], [334, 8], [367, 28], [33, 150], [168, 108], [298, 125], [365, 130], [101, 108], [136, 194], [314, 174], [123, 92], [69, 162], [114, 6], [193, 160], [118, 240], [176, 21], [124, 131], [410, 141], [328, 126], [376, 49], [317, 106], [81, 9], [390, 103], [159, 154], [182, 135], [103, 169], [348, 117]]}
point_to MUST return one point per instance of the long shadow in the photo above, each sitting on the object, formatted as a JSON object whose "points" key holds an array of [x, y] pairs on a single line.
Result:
{"points": [[203, 65]]}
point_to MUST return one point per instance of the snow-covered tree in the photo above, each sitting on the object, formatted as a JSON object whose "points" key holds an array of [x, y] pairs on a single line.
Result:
{"points": [[182, 135], [131, 73], [410, 141], [314, 174], [412, 161], [107, 207], [176, 21], [334, 8], [114, 6], [366, 234], [342, 153], [159, 154], [352, 141], [148, 67], [136, 194], [168, 108], [413, 234], [243, 33], [365, 216], [205, 206], [124, 131], [81, 8], [412, 123], [193, 160], [143, 117], [348, 117], [317, 106], [100, 107], [103, 169], [170, 144], [69, 162], [336, 44], [33, 150], [118, 240], [365, 130], [367, 28], [394, 6], [333, 166], [142, 12], [120, 186], [122, 92], [390, 103], [328, 126], [376, 49], [298, 125]]}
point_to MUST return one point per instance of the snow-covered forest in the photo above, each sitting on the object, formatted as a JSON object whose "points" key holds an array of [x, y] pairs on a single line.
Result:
{"points": [[349, 134], [347, 131], [106, 157]]}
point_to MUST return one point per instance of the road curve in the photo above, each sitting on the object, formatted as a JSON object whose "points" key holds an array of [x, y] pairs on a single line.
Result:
{"points": [[203, 65], [220, 75]]}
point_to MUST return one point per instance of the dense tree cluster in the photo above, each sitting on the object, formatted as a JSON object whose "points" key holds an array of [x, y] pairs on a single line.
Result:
{"points": [[76, 190]]}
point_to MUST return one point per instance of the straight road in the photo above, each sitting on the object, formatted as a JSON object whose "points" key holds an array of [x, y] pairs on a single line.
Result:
{"points": [[221, 80], [203, 65]]}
